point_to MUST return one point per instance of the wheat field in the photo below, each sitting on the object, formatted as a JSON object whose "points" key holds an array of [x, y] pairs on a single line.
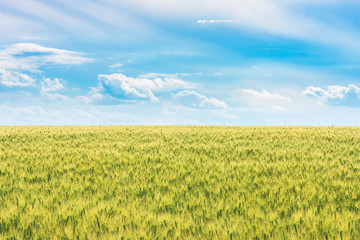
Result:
{"points": [[179, 182]]}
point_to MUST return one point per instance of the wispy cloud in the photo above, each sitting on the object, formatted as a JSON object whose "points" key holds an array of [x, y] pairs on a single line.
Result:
{"points": [[32, 38], [49, 13], [116, 65], [270, 16], [169, 75], [14, 26], [31, 56], [215, 21]]}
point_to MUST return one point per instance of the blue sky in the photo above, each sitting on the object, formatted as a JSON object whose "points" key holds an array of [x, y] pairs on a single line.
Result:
{"points": [[154, 62]]}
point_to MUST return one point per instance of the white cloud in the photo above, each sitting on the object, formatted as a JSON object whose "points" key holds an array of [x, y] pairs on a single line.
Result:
{"points": [[215, 21], [277, 108], [93, 97], [123, 87], [216, 74], [54, 96], [194, 99], [261, 101], [159, 75], [49, 85], [333, 91], [31, 56], [336, 95], [169, 75], [265, 95], [13, 79], [18, 59], [32, 38], [116, 65]]}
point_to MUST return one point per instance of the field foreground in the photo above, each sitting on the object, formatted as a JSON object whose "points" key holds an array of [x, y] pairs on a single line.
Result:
{"points": [[179, 182]]}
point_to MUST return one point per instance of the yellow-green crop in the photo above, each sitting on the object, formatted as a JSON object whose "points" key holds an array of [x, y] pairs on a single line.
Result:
{"points": [[179, 182]]}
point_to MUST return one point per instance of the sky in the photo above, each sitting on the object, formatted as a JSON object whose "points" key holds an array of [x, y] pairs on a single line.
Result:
{"points": [[180, 62]]}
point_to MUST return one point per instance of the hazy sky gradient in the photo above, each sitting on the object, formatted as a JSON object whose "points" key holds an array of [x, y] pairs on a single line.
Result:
{"points": [[228, 62]]}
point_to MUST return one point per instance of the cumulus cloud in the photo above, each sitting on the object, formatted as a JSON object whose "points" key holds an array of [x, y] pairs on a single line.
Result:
{"points": [[215, 21], [15, 79], [194, 99], [336, 94], [123, 87], [31, 56]]}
